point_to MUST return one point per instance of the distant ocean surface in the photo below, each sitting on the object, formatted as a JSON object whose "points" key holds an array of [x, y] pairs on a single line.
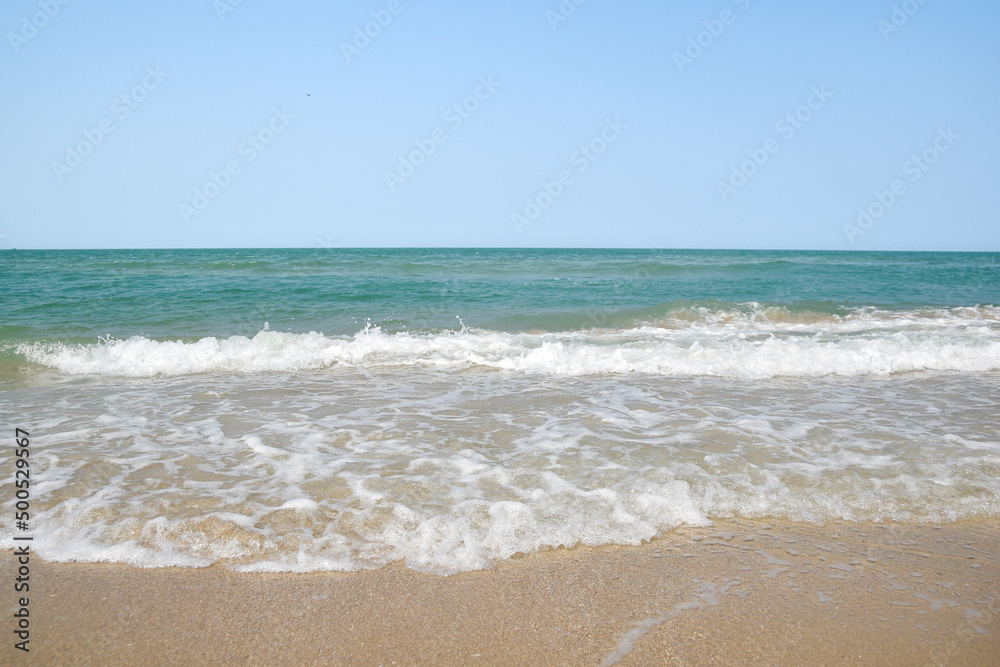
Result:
{"points": [[338, 409]]}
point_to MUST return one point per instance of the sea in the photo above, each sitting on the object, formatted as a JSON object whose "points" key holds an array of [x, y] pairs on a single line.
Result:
{"points": [[342, 409]]}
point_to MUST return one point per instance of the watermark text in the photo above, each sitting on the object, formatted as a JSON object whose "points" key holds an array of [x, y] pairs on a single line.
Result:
{"points": [[786, 126], [121, 108], [581, 159], [248, 149], [914, 169]]}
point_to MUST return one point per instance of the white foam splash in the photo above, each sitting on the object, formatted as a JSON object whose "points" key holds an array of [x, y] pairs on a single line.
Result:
{"points": [[738, 345]]}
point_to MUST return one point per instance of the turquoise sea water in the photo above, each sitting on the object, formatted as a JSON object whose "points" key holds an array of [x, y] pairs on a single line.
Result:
{"points": [[345, 408], [195, 293]]}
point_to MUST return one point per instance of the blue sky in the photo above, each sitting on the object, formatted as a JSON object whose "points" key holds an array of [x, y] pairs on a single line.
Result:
{"points": [[725, 124]]}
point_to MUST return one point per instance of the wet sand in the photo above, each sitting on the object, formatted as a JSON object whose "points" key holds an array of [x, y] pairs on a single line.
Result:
{"points": [[736, 593]]}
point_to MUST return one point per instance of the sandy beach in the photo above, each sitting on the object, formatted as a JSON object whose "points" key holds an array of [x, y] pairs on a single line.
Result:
{"points": [[517, 333], [735, 593]]}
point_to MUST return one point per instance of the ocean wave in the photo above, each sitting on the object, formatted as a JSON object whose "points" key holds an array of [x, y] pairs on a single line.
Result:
{"points": [[746, 342], [447, 472], [306, 507]]}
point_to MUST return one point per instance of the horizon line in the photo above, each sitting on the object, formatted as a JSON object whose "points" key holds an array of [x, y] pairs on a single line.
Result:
{"points": [[528, 248]]}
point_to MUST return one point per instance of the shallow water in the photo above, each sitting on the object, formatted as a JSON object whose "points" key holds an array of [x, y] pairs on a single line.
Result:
{"points": [[184, 436]]}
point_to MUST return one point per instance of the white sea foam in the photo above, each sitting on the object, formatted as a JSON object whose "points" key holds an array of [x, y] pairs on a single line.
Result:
{"points": [[451, 472], [759, 343]]}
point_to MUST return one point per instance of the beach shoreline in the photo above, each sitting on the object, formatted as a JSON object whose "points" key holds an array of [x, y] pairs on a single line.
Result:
{"points": [[739, 592]]}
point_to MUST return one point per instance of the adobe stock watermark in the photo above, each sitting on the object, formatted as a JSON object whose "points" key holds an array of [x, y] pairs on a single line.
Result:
{"points": [[786, 126], [363, 36], [900, 16], [454, 116], [562, 13], [121, 108], [248, 149], [714, 28], [914, 169], [223, 7], [31, 25], [327, 242], [581, 158]]}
